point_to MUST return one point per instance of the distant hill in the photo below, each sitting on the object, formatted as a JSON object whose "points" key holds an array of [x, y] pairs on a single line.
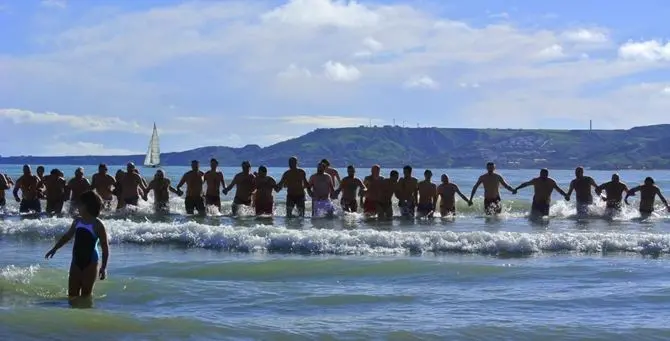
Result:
{"points": [[392, 146]]}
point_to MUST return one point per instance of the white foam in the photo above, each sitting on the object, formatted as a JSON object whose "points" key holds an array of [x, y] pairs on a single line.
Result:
{"points": [[268, 238], [18, 274]]}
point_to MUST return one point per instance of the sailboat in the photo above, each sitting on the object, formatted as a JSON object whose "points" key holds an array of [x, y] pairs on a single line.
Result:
{"points": [[153, 158]]}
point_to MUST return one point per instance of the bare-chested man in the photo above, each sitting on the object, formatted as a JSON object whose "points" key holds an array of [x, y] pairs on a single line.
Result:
{"points": [[30, 187], [194, 179], [246, 185], [162, 188], [40, 175], [492, 182], [55, 191], [334, 174], [102, 183], [407, 192], [118, 191], [427, 195], [132, 186], [321, 188], [5, 184], [295, 182], [349, 187], [447, 192], [75, 188], [373, 193], [614, 190], [582, 187], [543, 186], [263, 198], [648, 192], [387, 189], [215, 182]]}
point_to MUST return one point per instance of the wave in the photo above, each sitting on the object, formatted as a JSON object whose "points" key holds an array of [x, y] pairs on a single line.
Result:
{"points": [[279, 239]]}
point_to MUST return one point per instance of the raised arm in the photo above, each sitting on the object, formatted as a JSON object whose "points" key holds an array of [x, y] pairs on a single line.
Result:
{"points": [[62, 241], [474, 188]]}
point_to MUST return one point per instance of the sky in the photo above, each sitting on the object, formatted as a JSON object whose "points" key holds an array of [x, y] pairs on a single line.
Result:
{"points": [[83, 77]]}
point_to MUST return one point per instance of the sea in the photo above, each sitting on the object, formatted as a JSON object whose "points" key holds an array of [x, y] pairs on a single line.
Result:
{"points": [[470, 277]]}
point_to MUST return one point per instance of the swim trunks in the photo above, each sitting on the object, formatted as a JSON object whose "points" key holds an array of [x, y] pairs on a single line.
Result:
{"points": [[264, 207], [407, 208], [28, 205], [237, 202], [385, 209], [370, 206], [85, 249], [194, 203], [583, 207], [213, 200], [322, 207], [295, 200], [54, 206], [492, 206], [134, 201], [425, 209], [349, 205], [541, 208]]}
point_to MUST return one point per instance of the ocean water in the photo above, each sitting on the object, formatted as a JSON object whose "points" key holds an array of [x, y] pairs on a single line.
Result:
{"points": [[350, 278]]}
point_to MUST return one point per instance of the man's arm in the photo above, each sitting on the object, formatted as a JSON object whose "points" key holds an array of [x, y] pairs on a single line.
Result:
{"points": [[525, 184], [221, 180], [141, 183], [458, 191], [182, 181], [230, 185], [3, 182], [570, 189], [16, 188], [631, 193], [660, 196], [280, 184], [560, 190], [502, 181], [435, 195], [416, 191], [474, 188], [93, 182]]}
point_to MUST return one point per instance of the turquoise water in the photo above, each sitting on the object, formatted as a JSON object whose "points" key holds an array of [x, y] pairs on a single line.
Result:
{"points": [[468, 278]]}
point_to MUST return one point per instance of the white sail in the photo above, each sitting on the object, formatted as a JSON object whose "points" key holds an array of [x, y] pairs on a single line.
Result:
{"points": [[153, 157]]}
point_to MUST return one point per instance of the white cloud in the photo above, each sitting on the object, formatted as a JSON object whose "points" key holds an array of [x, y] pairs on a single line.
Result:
{"points": [[586, 36], [293, 71], [372, 44], [80, 148], [469, 85], [54, 3], [666, 90], [651, 50], [79, 123], [423, 82], [323, 13], [339, 72], [326, 121], [552, 52]]}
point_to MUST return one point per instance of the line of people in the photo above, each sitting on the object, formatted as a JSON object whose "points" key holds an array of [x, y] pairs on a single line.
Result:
{"points": [[256, 190]]}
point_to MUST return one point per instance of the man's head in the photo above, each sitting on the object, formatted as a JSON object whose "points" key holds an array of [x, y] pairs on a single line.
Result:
{"points": [[579, 171], [293, 162], [490, 167], [195, 165], [262, 171], [375, 170], [649, 181], [320, 168], [427, 174], [160, 174], [544, 173], [102, 168], [394, 175], [445, 179], [40, 171], [130, 167], [214, 163], [326, 162], [54, 172], [407, 171], [26, 170], [615, 178], [351, 171], [246, 166], [79, 172]]}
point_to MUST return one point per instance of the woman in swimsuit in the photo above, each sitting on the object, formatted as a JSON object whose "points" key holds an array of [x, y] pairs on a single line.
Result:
{"points": [[88, 232]]}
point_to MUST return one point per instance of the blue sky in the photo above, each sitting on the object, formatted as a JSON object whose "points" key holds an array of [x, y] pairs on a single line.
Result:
{"points": [[90, 77]]}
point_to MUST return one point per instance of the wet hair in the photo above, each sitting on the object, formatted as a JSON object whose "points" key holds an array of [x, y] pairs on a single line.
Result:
{"points": [[325, 162], [407, 168], [262, 169], [214, 160], [649, 180], [394, 173], [91, 202]]}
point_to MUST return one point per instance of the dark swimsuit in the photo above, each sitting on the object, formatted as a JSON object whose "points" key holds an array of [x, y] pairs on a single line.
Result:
{"points": [[85, 250]]}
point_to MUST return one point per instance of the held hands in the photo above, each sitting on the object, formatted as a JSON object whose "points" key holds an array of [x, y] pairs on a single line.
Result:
{"points": [[567, 197], [469, 202]]}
